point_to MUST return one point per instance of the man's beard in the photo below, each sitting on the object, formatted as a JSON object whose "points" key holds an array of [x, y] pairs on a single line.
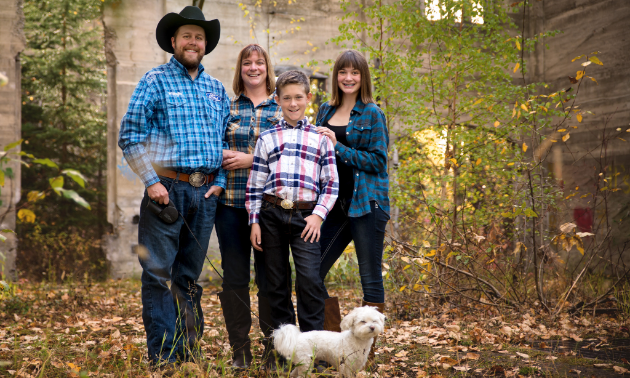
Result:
{"points": [[193, 64]]}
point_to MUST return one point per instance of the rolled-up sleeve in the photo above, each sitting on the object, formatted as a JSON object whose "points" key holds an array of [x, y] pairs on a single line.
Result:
{"points": [[221, 179]]}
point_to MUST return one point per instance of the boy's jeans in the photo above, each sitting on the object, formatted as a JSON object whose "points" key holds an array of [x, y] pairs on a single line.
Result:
{"points": [[281, 229], [172, 316]]}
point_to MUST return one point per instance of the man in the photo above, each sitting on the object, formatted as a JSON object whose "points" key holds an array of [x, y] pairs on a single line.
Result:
{"points": [[172, 138]]}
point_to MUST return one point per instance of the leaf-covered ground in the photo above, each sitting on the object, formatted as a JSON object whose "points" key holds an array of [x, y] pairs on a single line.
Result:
{"points": [[77, 330]]}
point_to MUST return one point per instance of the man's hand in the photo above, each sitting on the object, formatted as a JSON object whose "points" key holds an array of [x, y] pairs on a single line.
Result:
{"points": [[216, 190], [313, 227], [158, 193], [255, 237], [236, 160]]}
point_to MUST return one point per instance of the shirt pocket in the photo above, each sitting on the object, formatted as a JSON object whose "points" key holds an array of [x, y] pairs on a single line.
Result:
{"points": [[272, 121], [234, 123], [360, 134], [176, 109]]}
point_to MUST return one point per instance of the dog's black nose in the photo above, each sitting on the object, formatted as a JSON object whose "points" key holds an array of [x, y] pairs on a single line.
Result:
{"points": [[371, 328]]}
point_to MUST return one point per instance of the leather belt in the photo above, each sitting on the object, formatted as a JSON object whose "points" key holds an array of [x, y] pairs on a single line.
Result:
{"points": [[288, 204], [195, 179]]}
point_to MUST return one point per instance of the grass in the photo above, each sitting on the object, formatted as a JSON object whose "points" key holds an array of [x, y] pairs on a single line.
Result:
{"points": [[80, 330]]}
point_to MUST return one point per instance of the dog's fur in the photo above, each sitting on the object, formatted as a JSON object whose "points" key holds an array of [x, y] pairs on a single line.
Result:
{"points": [[346, 351]]}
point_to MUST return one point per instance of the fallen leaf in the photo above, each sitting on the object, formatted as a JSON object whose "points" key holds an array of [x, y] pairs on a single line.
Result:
{"points": [[449, 361], [506, 330], [472, 356], [461, 368], [116, 334], [523, 355], [620, 370], [575, 371], [602, 365]]}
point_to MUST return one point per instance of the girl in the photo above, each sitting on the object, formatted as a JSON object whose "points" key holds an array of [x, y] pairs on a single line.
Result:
{"points": [[358, 130]]}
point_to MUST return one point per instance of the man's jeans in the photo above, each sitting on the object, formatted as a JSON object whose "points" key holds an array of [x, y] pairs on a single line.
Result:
{"points": [[172, 317], [281, 229], [368, 233]]}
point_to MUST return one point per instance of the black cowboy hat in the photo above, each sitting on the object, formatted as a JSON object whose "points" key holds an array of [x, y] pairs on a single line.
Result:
{"points": [[188, 16]]}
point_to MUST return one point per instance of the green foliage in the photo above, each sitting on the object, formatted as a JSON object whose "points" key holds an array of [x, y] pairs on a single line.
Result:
{"points": [[472, 134], [64, 119]]}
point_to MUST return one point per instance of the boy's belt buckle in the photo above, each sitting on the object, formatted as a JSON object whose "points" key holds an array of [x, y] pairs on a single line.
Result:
{"points": [[286, 204], [197, 179]]}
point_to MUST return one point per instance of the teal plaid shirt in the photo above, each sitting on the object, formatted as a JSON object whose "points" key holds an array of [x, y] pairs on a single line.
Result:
{"points": [[366, 153], [176, 123], [245, 125]]}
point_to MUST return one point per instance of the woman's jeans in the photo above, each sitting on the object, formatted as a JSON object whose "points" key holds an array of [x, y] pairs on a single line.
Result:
{"points": [[236, 250], [172, 317], [368, 233]]}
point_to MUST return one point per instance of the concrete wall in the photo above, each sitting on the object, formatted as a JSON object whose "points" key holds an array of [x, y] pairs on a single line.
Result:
{"points": [[131, 51], [588, 26], [11, 44]]}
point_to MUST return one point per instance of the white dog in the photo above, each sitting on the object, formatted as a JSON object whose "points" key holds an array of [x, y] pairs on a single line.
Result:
{"points": [[346, 351]]}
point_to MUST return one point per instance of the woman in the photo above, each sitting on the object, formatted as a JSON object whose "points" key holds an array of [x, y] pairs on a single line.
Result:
{"points": [[357, 128], [252, 111]]}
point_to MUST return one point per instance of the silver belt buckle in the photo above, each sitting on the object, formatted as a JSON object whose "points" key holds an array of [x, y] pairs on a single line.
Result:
{"points": [[286, 204], [197, 179]]}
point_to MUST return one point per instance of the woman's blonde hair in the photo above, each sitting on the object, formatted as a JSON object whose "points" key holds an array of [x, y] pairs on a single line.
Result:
{"points": [[237, 84], [352, 59]]}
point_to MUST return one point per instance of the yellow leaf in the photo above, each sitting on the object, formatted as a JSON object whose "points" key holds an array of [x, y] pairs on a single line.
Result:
{"points": [[586, 64], [518, 45], [478, 161], [478, 101], [34, 195], [513, 112], [562, 130], [26, 215], [417, 286], [516, 67], [579, 75], [403, 288], [406, 267], [524, 147], [579, 117], [490, 262], [454, 161], [510, 164], [431, 253], [426, 244], [592, 78], [524, 107], [576, 58], [566, 137], [496, 123], [596, 60]]}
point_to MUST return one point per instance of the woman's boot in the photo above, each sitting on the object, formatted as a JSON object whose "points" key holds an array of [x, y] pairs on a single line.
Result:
{"points": [[332, 315], [238, 322], [381, 308]]}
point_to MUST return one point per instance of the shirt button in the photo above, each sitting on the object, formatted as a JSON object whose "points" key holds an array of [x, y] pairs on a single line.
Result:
{"points": [[345, 161], [347, 133], [337, 152], [357, 175], [350, 122]]}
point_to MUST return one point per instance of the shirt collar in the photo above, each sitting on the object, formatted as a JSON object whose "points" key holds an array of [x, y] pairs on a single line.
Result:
{"points": [[300, 124], [270, 100], [178, 66], [358, 107]]}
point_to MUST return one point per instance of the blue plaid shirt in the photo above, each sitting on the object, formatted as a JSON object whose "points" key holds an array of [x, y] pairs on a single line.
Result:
{"points": [[366, 153], [244, 127], [176, 123]]}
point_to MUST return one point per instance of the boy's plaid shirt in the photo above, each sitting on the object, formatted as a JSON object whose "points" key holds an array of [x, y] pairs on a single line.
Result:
{"points": [[293, 163], [244, 127], [176, 123], [366, 153]]}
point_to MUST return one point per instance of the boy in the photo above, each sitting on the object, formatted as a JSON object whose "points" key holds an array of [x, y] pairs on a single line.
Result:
{"points": [[292, 186]]}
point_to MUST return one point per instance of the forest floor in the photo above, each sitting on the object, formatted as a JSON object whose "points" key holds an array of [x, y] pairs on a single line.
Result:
{"points": [[49, 330]]}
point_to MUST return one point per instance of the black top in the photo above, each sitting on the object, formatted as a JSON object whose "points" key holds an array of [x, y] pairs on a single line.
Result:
{"points": [[346, 180]]}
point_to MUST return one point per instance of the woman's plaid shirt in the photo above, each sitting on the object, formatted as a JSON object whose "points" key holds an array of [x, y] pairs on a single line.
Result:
{"points": [[244, 127], [366, 153], [293, 163]]}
